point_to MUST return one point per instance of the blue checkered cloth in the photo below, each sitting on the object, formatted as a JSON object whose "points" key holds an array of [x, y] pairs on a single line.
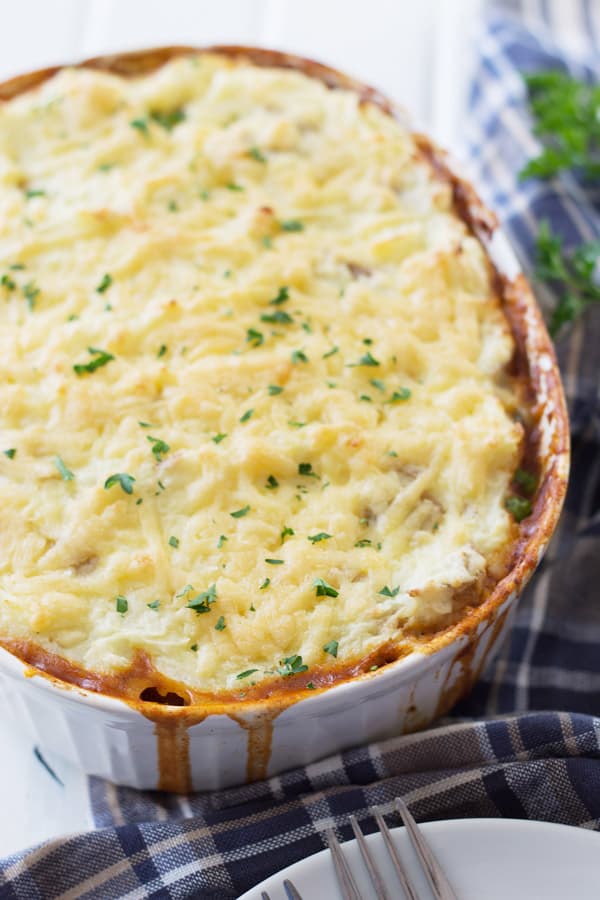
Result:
{"points": [[507, 752]]}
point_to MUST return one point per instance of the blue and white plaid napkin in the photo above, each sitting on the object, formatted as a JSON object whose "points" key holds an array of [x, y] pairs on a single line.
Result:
{"points": [[503, 755]]}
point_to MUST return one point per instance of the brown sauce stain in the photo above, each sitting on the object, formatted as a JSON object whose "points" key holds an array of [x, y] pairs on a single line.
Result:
{"points": [[260, 737]]}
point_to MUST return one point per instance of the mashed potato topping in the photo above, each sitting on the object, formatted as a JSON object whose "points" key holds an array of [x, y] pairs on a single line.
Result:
{"points": [[254, 407]]}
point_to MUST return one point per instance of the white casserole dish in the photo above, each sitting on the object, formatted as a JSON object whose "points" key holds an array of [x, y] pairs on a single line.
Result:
{"points": [[182, 748]]}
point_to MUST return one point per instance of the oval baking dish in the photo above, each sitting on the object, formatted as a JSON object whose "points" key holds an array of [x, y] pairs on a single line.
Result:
{"points": [[142, 729]]}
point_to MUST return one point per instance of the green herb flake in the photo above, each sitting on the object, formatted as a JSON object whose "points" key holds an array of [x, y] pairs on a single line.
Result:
{"points": [[283, 294], [365, 542], [254, 338], [162, 350], [299, 356], [194, 648], [100, 358], [173, 541], [255, 154], [159, 447], [121, 478], [247, 415], [30, 292], [274, 562], [202, 603], [294, 424], [366, 398], [323, 589], [272, 483], [217, 438], [526, 481], [7, 282], [279, 317], [245, 674], [519, 507], [274, 389], [366, 360], [331, 352], [398, 396], [267, 241], [65, 473], [104, 284], [306, 469], [220, 626], [265, 584], [317, 538], [154, 605], [121, 604], [310, 686], [10, 453], [378, 384], [140, 125], [240, 513], [168, 120], [389, 592], [291, 665], [292, 225], [34, 192], [232, 186], [332, 648]]}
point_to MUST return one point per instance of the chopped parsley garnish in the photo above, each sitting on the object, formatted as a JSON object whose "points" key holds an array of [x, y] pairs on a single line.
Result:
{"points": [[364, 543], [255, 154], [173, 541], [122, 478], [254, 338], [252, 608], [292, 225], [378, 384], [17, 267], [162, 350], [154, 605], [217, 438], [168, 120], [572, 274], [173, 206], [274, 389], [293, 424], [265, 584], [283, 294], [332, 648], [286, 532], [519, 507], [202, 603], [194, 648], [184, 591], [306, 469], [34, 192], [234, 187], [366, 360], [526, 481], [221, 541], [105, 283], [121, 604], [389, 592], [7, 282], [291, 665], [106, 167], [279, 317], [267, 241], [366, 398], [65, 473], [402, 394], [272, 483], [11, 452], [274, 562], [239, 513], [220, 626], [323, 589], [159, 447], [146, 425], [317, 538], [331, 352], [299, 356], [310, 686], [140, 125], [566, 114], [246, 674], [30, 292], [101, 358], [247, 415]]}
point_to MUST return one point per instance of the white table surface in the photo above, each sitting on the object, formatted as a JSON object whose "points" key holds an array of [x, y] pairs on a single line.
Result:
{"points": [[416, 51]]}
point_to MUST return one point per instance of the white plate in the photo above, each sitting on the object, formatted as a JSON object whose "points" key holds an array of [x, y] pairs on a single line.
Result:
{"points": [[484, 859]]}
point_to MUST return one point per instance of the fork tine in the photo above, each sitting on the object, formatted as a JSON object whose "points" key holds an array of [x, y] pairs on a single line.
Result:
{"points": [[403, 877], [374, 875], [345, 877], [438, 882], [264, 896], [291, 890]]}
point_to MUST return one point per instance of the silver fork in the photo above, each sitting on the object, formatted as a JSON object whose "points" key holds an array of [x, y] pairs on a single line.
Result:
{"points": [[440, 886], [292, 893]]}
